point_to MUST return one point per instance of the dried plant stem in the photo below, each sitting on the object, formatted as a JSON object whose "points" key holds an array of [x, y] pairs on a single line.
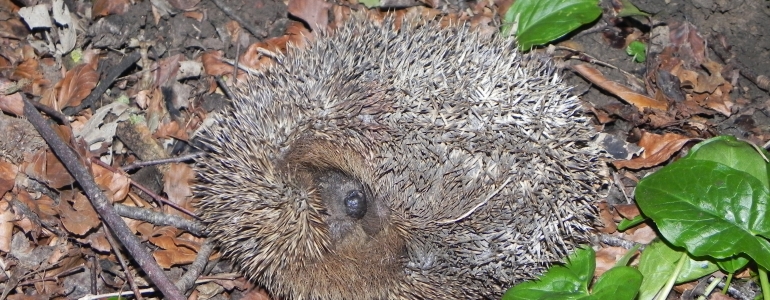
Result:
{"points": [[102, 205]]}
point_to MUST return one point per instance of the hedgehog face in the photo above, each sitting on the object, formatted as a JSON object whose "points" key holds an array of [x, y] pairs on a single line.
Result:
{"points": [[350, 206]]}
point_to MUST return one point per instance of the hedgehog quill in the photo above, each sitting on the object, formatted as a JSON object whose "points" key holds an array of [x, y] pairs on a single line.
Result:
{"points": [[423, 163]]}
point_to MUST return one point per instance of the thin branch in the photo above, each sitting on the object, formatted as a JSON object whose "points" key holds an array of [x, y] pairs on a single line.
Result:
{"points": [[257, 33], [122, 261], [101, 204], [177, 159], [187, 280], [159, 219]]}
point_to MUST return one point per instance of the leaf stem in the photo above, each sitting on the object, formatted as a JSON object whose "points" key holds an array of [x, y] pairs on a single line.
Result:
{"points": [[727, 283], [663, 294], [710, 288], [763, 282]]}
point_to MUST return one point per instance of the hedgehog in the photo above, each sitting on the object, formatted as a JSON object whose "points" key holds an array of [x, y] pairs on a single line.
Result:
{"points": [[424, 162]]}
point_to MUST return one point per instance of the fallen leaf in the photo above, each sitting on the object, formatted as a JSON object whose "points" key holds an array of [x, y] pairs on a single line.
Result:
{"points": [[657, 149], [76, 85], [7, 218], [607, 257], [8, 173], [314, 12], [103, 8], [44, 166], [628, 211], [638, 100], [80, 217]]}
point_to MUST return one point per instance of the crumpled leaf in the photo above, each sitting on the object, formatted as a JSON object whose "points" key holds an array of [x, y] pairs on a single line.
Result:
{"points": [[640, 101], [657, 149]]}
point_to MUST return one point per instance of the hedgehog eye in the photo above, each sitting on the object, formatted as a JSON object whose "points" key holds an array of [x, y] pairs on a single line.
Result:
{"points": [[355, 204]]}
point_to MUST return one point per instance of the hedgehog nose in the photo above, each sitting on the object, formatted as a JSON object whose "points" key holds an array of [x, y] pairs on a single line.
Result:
{"points": [[355, 204]]}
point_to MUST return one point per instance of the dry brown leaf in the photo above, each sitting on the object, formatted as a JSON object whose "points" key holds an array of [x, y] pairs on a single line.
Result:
{"points": [[116, 185], [638, 100], [103, 8], [607, 258], [80, 217], [688, 42], [177, 256], [76, 85], [44, 166], [7, 218], [607, 218], [657, 149], [8, 173], [314, 12], [177, 185], [213, 64], [642, 234], [628, 211], [167, 69], [98, 241]]}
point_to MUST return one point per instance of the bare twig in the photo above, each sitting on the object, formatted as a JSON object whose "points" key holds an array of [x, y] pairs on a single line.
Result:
{"points": [[257, 33], [188, 279], [101, 204], [159, 219], [123, 264], [177, 159]]}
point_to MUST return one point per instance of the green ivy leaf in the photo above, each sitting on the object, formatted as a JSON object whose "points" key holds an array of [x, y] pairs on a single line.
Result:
{"points": [[629, 9], [739, 155], [568, 281], [617, 283], [538, 22], [708, 208], [733, 264], [638, 50]]}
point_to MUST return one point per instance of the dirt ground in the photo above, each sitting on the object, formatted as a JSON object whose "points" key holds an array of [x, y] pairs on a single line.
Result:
{"points": [[712, 51]]}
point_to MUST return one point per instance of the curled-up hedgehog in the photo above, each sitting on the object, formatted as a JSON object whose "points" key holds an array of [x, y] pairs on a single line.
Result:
{"points": [[419, 163]]}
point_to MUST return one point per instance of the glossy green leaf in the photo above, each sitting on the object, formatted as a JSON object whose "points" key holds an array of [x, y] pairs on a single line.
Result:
{"points": [[694, 269], [621, 283], [568, 281], [731, 152], [657, 263], [638, 50], [626, 223], [538, 22], [629, 9], [733, 264], [709, 209]]}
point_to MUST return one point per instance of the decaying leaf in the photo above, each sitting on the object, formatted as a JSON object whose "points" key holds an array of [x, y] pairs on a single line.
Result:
{"points": [[657, 149], [638, 100]]}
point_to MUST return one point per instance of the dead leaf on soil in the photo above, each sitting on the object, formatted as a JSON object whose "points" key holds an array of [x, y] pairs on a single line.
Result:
{"points": [[75, 86], [44, 166], [638, 100], [607, 258], [103, 8], [80, 217], [314, 12], [8, 173], [657, 149], [7, 217], [177, 186], [686, 39]]}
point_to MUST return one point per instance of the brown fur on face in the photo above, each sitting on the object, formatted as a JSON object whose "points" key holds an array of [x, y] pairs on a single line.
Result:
{"points": [[366, 254]]}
